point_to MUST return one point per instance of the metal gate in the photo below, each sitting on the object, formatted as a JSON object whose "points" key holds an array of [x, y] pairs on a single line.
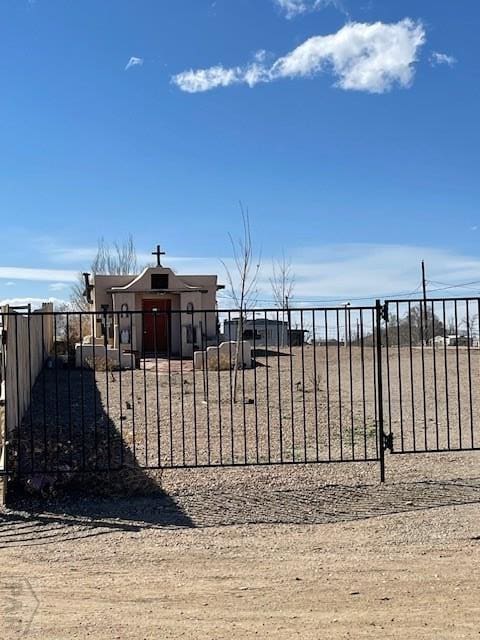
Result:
{"points": [[84, 393], [431, 367]]}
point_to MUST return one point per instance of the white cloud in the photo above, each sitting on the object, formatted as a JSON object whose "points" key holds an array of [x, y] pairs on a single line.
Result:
{"points": [[363, 57], [134, 62], [71, 255], [326, 272], [35, 302], [346, 271], [58, 286], [43, 275], [292, 8], [442, 58]]}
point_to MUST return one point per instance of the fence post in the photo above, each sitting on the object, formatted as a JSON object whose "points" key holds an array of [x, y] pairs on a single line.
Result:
{"points": [[380, 425]]}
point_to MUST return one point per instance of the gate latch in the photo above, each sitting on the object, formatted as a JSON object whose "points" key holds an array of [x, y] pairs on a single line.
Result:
{"points": [[384, 311], [388, 442]]}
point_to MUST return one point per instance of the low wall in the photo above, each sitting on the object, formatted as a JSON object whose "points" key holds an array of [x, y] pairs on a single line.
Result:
{"points": [[97, 357], [27, 343], [222, 357]]}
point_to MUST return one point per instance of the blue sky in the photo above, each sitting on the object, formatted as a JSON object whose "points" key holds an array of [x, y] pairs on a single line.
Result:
{"points": [[349, 129]]}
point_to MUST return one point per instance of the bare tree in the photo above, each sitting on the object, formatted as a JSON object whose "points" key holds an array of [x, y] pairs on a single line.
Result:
{"points": [[242, 280], [109, 260], [283, 285], [282, 282]]}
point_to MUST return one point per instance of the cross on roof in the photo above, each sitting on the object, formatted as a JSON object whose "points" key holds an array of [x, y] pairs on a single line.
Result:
{"points": [[158, 253]]}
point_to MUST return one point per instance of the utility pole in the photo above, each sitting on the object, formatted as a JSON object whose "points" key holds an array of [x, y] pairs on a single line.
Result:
{"points": [[425, 320]]}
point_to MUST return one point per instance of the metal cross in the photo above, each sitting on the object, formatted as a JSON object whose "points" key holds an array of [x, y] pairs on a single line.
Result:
{"points": [[158, 253]]}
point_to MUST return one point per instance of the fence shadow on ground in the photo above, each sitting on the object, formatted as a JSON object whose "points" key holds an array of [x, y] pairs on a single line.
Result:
{"points": [[39, 523], [66, 447]]}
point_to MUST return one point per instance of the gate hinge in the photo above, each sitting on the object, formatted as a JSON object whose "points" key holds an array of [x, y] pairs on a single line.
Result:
{"points": [[388, 442], [384, 311]]}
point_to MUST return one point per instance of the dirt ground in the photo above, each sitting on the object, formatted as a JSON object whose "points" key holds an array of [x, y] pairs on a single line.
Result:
{"points": [[304, 405], [286, 552]]}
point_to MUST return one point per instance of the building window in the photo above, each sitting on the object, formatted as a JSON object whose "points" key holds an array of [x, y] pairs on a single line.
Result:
{"points": [[159, 280], [191, 334], [190, 307]]}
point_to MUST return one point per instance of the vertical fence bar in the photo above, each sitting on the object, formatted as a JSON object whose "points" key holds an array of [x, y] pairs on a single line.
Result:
{"points": [[302, 352], [445, 359], [244, 417], [389, 386], [17, 391], [469, 363], [381, 434], [182, 385], [230, 365], [132, 382], [292, 407], [69, 390], [435, 389], [315, 383], [44, 397], [399, 362], [57, 421], [267, 384], [219, 390], [348, 320], [30, 384], [423, 342], [280, 397], [364, 402], [120, 414], [152, 317], [255, 400], [327, 384], [412, 383], [195, 435], [339, 380], [169, 357], [457, 361]]}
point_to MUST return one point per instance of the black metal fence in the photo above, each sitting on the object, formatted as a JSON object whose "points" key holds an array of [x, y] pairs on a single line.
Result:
{"points": [[183, 388], [431, 351]]}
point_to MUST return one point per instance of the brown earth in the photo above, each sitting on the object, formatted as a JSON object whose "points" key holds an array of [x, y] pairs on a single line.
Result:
{"points": [[285, 552], [308, 551]]}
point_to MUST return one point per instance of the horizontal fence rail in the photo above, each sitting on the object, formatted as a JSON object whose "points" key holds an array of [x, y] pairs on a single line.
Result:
{"points": [[170, 388]]}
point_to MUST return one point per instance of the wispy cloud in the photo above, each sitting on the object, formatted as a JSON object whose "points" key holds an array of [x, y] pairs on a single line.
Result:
{"points": [[134, 62], [442, 58], [58, 286], [363, 57], [41, 275], [35, 302], [293, 8], [347, 271], [9, 284]]}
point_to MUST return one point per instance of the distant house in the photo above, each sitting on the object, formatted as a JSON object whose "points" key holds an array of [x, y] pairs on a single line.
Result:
{"points": [[264, 332], [298, 337], [453, 340]]}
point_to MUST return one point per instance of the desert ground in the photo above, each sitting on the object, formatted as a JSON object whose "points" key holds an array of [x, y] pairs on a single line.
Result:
{"points": [[319, 551], [296, 405], [281, 551]]}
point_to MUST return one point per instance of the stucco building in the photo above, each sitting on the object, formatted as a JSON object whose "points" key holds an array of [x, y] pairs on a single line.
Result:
{"points": [[155, 312]]}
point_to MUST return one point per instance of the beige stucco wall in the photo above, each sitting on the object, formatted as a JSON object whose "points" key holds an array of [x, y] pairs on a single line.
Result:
{"points": [[135, 289]]}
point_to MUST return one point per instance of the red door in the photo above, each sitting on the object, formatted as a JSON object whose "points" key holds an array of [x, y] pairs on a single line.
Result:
{"points": [[156, 326]]}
